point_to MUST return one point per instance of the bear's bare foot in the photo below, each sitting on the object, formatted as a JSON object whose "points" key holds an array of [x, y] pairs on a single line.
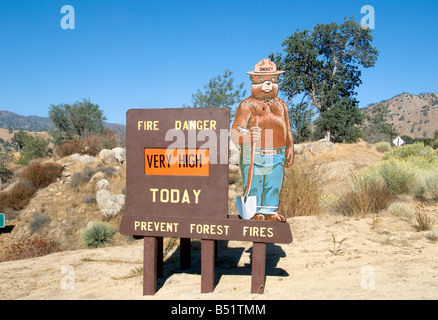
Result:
{"points": [[275, 217], [258, 216]]}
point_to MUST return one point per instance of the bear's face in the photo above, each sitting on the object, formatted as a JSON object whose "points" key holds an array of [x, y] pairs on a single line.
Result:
{"points": [[264, 87]]}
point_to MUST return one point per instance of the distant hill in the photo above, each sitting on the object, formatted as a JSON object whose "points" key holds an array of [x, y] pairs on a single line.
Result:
{"points": [[10, 120], [13, 121], [413, 115]]}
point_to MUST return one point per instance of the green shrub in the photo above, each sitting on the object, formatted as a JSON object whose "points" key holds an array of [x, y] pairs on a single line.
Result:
{"points": [[413, 150], [34, 147], [427, 185], [383, 146], [398, 175], [401, 210], [98, 235]]}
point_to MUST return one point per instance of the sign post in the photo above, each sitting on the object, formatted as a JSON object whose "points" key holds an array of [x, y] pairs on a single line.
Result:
{"points": [[398, 142], [2, 220], [177, 186]]}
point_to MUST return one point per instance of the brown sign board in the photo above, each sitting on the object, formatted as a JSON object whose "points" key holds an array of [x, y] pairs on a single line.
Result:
{"points": [[177, 178], [177, 162], [177, 186], [213, 229]]}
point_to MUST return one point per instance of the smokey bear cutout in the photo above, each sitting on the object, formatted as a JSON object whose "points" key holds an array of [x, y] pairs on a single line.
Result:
{"points": [[263, 120]]}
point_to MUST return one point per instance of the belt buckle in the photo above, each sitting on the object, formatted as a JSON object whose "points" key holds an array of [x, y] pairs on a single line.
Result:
{"points": [[268, 152]]}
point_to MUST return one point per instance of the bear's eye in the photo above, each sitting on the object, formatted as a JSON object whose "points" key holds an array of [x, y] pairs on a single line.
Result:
{"points": [[261, 79], [273, 79]]}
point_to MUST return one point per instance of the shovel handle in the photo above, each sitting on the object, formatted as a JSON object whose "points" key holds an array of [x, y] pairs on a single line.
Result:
{"points": [[251, 163]]}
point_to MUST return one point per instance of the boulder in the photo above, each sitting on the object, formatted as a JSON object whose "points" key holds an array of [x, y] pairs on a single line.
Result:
{"points": [[120, 154], [101, 184], [233, 173], [109, 205], [96, 177], [320, 146], [234, 153], [87, 159], [107, 156], [74, 157]]}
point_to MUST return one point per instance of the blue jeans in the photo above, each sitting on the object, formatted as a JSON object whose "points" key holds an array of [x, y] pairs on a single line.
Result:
{"points": [[267, 179]]}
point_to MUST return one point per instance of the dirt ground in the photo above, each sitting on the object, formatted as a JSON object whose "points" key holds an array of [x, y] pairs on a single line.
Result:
{"points": [[383, 257]]}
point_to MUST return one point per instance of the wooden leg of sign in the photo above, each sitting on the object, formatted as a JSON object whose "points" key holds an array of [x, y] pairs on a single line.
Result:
{"points": [[207, 266], [160, 266], [258, 267], [185, 258], [150, 266]]}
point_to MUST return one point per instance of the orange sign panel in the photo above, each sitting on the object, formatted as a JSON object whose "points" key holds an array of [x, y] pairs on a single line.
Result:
{"points": [[176, 162]]}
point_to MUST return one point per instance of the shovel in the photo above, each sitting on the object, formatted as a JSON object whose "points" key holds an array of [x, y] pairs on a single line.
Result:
{"points": [[247, 205]]}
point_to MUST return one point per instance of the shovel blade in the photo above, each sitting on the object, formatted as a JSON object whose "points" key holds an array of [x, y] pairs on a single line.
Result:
{"points": [[247, 209]]}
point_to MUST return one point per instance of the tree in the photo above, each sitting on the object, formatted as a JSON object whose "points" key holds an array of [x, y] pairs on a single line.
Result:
{"points": [[34, 147], [323, 65], [219, 92], [340, 121], [5, 158], [18, 139], [300, 118], [377, 127], [75, 121]]}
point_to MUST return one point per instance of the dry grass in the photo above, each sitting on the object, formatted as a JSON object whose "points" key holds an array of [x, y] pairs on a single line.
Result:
{"points": [[301, 192], [424, 221], [35, 176], [29, 248], [366, 195]]}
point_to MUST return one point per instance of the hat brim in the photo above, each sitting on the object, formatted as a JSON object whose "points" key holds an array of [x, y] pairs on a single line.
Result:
{"points": [[265, 73]]}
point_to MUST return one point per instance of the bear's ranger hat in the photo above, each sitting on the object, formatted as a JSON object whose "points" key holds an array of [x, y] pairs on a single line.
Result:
{"points": [[265, 67]]}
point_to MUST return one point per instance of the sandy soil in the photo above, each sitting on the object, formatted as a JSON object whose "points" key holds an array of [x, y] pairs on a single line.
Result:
{"points": [[381, 258]]}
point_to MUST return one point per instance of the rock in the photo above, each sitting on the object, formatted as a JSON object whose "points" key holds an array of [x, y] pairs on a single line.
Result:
{"points": [[233, 173], [232, 168], [101, 184], [81, 158], [74, 157], [120, 154], [234, 153], [109, 205], [107, 156], [96, 177], [320, 146], [298, 148], [66, 173], [87, 159]]}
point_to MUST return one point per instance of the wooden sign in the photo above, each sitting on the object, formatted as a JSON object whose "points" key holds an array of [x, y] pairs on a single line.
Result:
{"points": [[177, 163], [177, 186], [213, 229]]}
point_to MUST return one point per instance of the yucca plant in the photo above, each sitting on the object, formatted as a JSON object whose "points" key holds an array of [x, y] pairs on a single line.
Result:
{"points": [[98, 235]]}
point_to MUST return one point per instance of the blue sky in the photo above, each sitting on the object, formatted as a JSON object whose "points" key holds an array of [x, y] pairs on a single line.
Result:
{"points": [[156, 54]]}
